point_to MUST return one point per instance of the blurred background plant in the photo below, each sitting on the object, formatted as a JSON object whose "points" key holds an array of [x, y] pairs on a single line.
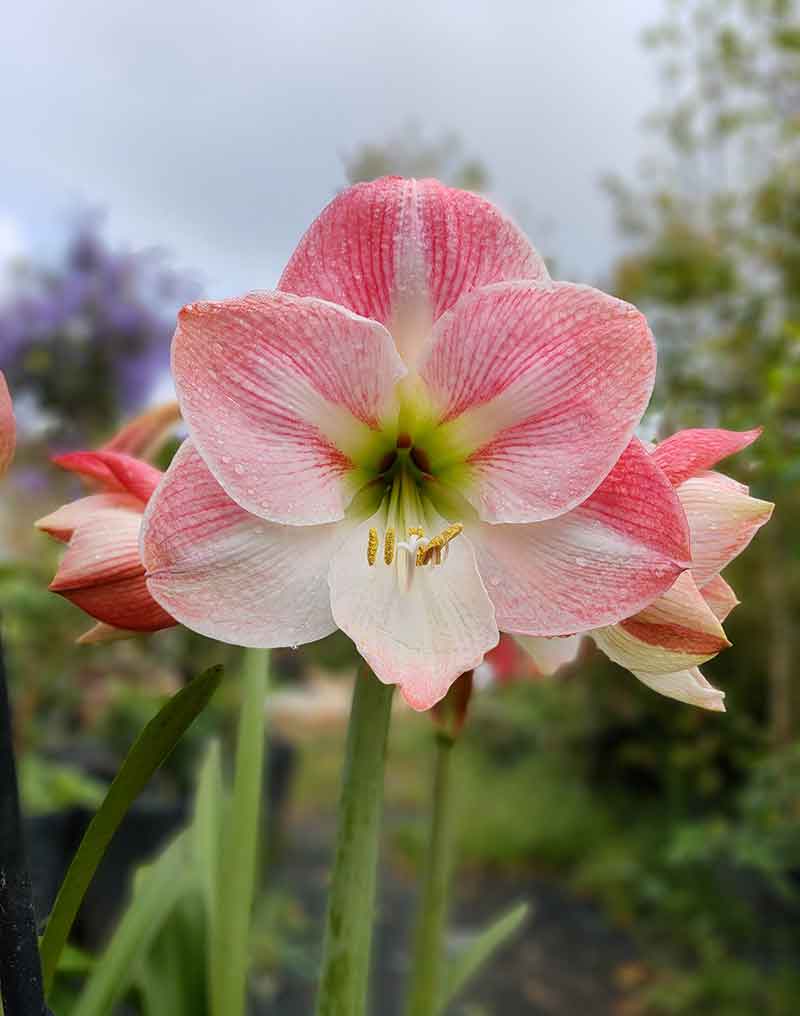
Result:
{"points": [[673, 834]]}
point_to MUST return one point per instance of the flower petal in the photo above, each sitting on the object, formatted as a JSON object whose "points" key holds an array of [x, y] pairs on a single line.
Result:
{"points": [[404, 251], [686, 686], [101, 571], [720, 597], [690, 452], [723, 519], [539, 391], [422, 637], [226, 573], [550, 655], [123, 604], [278, 393], [8, 430], [599, 563], [113, 471], [676, 631], [145, 434], [63, 522], [102, 632], [103, 548]]}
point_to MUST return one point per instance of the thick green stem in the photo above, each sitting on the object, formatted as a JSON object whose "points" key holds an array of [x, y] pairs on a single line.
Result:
{"points": [[425, 998], [351, 902], [230, 931]]}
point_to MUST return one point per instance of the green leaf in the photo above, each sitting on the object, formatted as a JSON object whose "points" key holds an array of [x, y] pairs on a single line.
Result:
{"points": [[236, 874], [473, 956], [157, 890], [151, 748]]}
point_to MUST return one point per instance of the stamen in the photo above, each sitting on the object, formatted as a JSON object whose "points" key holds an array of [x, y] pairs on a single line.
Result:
{"points": [[433, 551], [388, 546], [416, 531], [372, 547]]}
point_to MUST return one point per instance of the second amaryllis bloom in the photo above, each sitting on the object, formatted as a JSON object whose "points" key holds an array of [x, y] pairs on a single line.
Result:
{"points": [[101, 571], [421, 439], [664, 644]]}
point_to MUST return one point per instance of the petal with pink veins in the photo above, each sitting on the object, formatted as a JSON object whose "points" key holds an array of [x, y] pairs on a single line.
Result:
{"points": [[538, 391], [103, 548], [551, 655], [101, 571], [690, 452], [420, 636], [145, 434], [720, 597], [226, 573], [105, 508], [688, 686], [723, 519], [279, 393], [404, 251], [593, 566], [8, 430], [113, 471], [123, 604], [677, 631]]}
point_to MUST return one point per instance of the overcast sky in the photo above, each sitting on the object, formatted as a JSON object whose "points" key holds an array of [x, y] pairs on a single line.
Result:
{"points": [[216, 130]]}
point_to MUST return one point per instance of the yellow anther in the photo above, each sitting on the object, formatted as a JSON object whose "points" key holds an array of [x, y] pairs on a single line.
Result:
{"points": [[372, 547], [434, 548], [388, 546], [416, 531]]}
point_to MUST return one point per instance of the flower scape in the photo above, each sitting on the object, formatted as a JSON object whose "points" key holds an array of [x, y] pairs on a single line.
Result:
{"points": [[420, 438]]}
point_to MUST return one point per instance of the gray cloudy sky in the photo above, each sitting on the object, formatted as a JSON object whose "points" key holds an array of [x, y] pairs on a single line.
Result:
{"points": [[216, 129]]}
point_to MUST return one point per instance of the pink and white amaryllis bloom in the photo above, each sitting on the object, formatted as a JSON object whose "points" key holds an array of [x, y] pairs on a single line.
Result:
{"points": [[419, 438], [664, 644], [101, 571], [8, 429]]}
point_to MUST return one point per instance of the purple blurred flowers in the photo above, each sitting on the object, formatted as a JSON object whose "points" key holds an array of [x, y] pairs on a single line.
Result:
{"points": [[88, 339]]}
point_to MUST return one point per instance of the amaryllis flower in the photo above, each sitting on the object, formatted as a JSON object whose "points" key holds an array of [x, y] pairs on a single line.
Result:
{"points": [[101, 571], [419, 438], [664, 644], [8, 431]]}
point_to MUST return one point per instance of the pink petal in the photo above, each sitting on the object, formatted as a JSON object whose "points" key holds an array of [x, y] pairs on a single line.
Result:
{"points": [[63, 522], [593, 566], [689, 452], [228, 574], [676, 631], [278, 393], [122, 603], [101, 573], [145, 434], [540, 391], [550, 655], [102, 632], [102, 549], [723, 519], [686, 686], [404, 251], [113, 472], [423, 637], [8, 431], [720, 597]]}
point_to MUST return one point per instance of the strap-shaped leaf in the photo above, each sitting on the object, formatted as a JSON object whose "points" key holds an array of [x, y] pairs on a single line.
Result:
{"points": [[150, 749], [481, 948], [157, 889]]}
